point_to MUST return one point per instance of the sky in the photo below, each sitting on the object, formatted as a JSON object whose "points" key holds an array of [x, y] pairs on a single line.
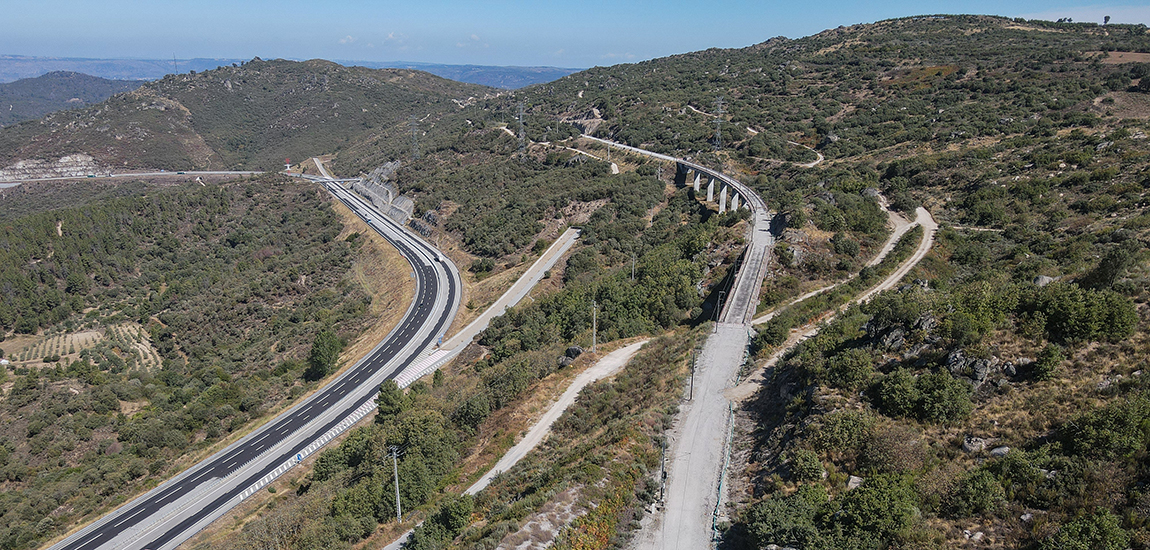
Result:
{"points": [[575, 34]]}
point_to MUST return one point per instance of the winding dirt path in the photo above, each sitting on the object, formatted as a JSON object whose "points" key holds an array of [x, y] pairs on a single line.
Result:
{"points": [[609, 365], [901, 226], [753, 382]]}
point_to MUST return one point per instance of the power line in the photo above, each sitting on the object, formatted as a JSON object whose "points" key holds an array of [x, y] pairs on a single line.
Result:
{"points": [[395, 452]]}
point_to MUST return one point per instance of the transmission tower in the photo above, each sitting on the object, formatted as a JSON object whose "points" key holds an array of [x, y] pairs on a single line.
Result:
{"points": [[719, 123], [395, 452], [414, 137], [522, 134]]}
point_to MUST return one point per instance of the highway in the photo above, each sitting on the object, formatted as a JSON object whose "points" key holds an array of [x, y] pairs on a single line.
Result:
{"points": [[171, 513], [18, 181]]}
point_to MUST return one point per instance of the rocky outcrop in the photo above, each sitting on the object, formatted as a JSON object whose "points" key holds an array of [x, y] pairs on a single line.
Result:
{"points": [[70, 166]]}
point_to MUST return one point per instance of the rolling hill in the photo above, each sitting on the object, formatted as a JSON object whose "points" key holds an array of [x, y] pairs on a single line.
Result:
{"points": [[246, 117], [33, 98], [997, 397]]}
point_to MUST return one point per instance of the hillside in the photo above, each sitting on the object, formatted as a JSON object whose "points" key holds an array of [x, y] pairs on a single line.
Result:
{"points": [[32, 98], [18, 67], [995, 399], [238, 117], [508, 78], [144, 329]]}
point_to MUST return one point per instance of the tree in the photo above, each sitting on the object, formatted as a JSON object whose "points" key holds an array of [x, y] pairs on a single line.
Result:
{"points": [[1112, 266], [391, 401], [324, 353], [1048, 360]]}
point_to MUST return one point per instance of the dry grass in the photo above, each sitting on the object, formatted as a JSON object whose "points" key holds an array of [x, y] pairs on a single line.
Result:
{"points": [[384, 273], [539, 529], [1116, 58]]}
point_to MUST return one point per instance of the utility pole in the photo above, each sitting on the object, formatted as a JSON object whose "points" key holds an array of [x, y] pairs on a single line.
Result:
{"points": [[718, 307], [594, 324], [694, 359], [718, 123], [395, 465], [175, 68], [663, 473]]}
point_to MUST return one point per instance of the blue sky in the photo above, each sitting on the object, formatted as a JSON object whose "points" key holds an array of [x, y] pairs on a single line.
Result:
{"points": [[565, 34]]}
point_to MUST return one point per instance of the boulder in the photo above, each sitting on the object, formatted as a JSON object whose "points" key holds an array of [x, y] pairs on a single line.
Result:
{"points": [[1043, 280], [973, 444], [926, 322], [999, 452], [574, 351], [894, 339], [854, 482], [565, 361]]}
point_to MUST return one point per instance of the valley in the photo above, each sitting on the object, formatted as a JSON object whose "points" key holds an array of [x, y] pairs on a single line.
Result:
{"points": [[892, 278]]}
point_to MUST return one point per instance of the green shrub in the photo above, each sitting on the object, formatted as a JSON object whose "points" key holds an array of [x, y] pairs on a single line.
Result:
{"points": [[849, 369], [840, 431], [806, 466], [896, 394], [1120, 429], [1100, 531], [1046, 366], [883, 506], [932, 397], [978, 493]]}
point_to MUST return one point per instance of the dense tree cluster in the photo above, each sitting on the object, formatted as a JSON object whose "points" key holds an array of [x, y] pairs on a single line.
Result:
{"points": [[233, 282]]}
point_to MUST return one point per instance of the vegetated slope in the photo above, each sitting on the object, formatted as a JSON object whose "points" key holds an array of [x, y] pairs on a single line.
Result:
{"points": [[142, 330], [508, 78], [450, 427], [16, 67], [1030, 145], [33, 98], [243, 117], [1025, 142], [937, 79]]}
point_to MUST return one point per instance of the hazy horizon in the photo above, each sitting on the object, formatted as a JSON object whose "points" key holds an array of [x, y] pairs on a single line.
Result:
{"points": [[508, 34]]}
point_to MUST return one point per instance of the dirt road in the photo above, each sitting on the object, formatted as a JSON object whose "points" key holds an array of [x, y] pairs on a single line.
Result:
{"points": [[753, 382]]}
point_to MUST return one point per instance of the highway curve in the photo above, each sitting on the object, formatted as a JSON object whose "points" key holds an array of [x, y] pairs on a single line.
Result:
{"points": [[169, 514]]}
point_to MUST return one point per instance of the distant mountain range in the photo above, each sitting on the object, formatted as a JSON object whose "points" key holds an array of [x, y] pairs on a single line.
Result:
{"points": [[32, 98], [508, 78], [16, 67]]}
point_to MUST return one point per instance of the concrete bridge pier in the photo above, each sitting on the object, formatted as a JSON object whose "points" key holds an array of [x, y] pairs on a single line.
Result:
{"points": [[735, 201], [681, 172], [696, 182], [723, 200], [710, 189]]}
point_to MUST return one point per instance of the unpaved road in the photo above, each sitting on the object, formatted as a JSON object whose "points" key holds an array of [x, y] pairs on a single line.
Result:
{"points": [[697, 448], [901, 226], [609, 365]]}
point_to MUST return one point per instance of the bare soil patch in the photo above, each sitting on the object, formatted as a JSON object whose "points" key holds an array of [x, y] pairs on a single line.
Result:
{"points": [[1117, 58]]}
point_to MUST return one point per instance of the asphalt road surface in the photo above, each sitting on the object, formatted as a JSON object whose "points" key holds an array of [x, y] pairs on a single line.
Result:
{"points": [[171, 513]]}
